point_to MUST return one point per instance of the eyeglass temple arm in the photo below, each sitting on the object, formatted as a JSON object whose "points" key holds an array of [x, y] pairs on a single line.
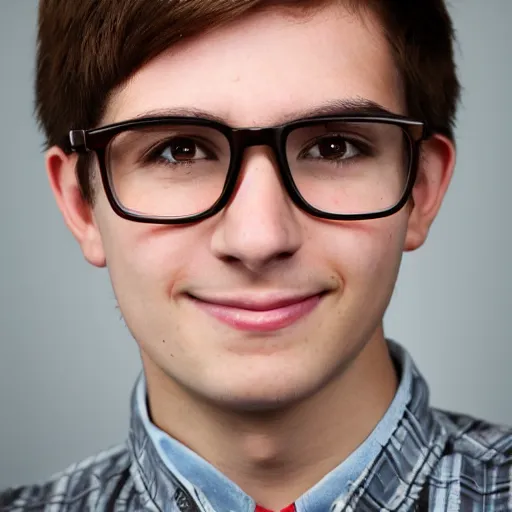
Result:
{"points": [[74, 142]]}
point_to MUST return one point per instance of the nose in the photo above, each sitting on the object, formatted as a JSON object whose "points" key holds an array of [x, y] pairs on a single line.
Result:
{"points": [[260, 225]]}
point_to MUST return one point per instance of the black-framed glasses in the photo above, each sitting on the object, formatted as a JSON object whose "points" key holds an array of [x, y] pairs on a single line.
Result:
{"points": [[175, 170]]}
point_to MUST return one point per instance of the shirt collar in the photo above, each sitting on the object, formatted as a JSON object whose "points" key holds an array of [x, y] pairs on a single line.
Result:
{"points": [[167, 467]]}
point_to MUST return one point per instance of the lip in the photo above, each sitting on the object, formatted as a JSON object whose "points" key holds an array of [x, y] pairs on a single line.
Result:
{"points": [[254, 314]]}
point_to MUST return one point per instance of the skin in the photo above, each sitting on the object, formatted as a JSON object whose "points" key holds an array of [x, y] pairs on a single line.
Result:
{"points": [[274, 411]]}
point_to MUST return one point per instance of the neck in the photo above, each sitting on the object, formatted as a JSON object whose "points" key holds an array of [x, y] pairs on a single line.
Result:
{"points": [[276, 456]]}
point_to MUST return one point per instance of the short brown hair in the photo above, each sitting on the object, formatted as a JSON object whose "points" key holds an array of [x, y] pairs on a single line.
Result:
{"points": [[87, 48]]}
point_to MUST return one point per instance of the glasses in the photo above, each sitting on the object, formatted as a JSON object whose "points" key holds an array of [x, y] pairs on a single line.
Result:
{"points": [[175, 170]]}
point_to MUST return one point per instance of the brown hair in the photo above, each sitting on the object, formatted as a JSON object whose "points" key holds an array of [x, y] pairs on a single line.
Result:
{"points": [[87, 48]]}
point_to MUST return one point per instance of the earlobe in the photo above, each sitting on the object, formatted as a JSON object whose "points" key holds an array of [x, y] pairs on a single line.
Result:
{"points": [[436, 165], [77, 212]]}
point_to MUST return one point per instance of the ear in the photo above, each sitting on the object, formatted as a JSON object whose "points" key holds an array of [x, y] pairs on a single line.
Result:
{"points": [[77, 212], [435, 170]]}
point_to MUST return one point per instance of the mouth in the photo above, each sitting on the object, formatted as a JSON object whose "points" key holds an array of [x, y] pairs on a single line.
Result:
{"points": [[255, 314]]}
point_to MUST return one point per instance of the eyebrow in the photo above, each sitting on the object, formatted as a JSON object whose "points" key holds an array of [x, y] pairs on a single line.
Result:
{"points": [[337, 107]]}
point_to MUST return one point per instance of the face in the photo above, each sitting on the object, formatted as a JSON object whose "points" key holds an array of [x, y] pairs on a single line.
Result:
{"points": [[262, 304]]}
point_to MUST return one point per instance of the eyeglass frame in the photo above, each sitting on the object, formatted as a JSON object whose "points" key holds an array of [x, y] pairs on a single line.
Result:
{"points": [[97, 140]]}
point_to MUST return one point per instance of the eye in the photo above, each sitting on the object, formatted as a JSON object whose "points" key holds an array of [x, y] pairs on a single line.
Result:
{"points": [[333, 147], [182, 149]]}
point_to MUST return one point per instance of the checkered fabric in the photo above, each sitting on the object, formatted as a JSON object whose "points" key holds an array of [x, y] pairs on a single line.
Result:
{"points": [[434, 461]]}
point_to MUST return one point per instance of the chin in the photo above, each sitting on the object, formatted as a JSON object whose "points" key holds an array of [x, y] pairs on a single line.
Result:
{"points": [[260, 403], [264, 392]]}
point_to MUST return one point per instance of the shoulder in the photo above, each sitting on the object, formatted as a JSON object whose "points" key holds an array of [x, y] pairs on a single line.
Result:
{"points": [[475, 439], [476, 462], [80, 487]]}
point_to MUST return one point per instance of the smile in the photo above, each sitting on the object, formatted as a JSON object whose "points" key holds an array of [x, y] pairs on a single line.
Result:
{"points": [[252, 315]]}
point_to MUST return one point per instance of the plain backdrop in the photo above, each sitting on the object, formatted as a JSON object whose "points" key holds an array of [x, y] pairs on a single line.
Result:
{"points": [[67, 362]]}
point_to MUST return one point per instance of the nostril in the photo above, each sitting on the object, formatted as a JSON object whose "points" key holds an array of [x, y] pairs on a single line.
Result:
{"points": [[285, 255], [228, 258]]}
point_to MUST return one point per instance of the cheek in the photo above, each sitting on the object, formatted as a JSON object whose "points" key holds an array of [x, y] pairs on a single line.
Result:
{"points": [[366, 254], [144, 261], [134, 249]]}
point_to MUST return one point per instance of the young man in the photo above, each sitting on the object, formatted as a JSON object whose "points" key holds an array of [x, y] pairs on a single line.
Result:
{"points": [[251, 172]]}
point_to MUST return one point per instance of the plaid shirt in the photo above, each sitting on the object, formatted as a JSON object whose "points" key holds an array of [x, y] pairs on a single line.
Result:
{"points": [[433, 461]]}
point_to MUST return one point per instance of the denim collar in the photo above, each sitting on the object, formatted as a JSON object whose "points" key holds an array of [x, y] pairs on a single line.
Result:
{"points": [[381, 466]]}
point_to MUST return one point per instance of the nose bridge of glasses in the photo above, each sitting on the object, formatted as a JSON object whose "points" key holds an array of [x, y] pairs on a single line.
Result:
{"points": [[245, 138], [249, 137]]}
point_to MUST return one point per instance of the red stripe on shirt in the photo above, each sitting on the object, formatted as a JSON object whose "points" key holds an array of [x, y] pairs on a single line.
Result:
{"points": [[289, 508]]}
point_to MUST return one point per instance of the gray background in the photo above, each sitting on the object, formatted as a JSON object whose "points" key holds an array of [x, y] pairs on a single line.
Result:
{"points": [[67, 363]]}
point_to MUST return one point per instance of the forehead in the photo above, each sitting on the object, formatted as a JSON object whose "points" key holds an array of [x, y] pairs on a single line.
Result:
{"points": [[263, 68]]}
